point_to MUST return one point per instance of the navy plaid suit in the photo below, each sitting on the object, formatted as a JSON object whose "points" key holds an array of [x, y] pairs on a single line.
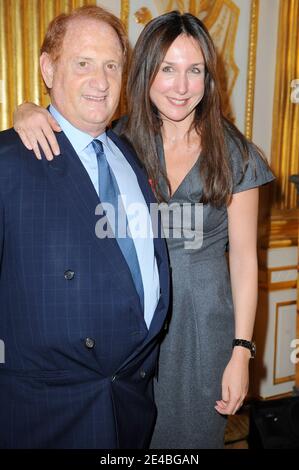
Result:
{"points": [[79, 360]]}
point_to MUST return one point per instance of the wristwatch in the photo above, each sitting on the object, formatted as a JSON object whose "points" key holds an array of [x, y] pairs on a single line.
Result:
{"points": [[245, 344]]}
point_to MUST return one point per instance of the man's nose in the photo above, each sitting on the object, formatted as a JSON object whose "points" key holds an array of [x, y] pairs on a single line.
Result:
{"points": [[100, 80]]}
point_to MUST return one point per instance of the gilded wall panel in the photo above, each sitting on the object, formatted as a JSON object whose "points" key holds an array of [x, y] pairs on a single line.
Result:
{"points": [[22, 27], [285, 140]]}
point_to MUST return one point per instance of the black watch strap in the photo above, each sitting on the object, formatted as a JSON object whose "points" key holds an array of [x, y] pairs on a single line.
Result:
{"points": [[245, 344]]}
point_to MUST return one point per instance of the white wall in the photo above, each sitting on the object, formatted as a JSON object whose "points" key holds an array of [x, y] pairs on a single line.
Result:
{"points": [[265, 74], [112, 5], [238, 98]]}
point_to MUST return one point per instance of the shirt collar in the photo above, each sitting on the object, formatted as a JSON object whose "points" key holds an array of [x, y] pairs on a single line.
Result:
{"points": [[79, 139]]}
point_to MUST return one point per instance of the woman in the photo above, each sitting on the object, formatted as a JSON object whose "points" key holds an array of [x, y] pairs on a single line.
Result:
{"points": [[192, 155]]}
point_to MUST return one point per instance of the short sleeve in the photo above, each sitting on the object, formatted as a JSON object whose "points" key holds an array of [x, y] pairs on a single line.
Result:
{"points": [[257, 171]]}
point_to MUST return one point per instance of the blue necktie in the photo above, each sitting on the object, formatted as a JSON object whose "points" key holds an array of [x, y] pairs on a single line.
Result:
{"points": [[109, 193]]}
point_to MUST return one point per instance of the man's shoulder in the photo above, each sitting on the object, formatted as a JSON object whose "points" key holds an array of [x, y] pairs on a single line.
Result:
{"points": [[8, 135], [9, 143], [12, 160]]}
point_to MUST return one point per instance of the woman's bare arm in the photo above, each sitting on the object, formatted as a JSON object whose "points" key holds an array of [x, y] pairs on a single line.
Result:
{"points": [[242, 226], [36, 126]]}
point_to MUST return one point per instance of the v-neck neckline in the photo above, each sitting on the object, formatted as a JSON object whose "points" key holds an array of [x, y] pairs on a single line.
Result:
{"points": [[163, 161], [185, 177]]}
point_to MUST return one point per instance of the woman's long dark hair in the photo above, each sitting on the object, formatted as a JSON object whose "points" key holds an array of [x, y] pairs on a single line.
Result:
{"points": [[144, 123]]}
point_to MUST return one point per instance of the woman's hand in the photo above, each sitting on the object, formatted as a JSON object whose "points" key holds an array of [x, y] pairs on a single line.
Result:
{"points": [[235, 382], [35, 126]]}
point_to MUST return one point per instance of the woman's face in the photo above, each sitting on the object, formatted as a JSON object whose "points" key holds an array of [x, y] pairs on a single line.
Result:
{"points": [[179, 84]]}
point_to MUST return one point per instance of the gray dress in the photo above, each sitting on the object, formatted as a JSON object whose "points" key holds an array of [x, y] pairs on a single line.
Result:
{"points": [[197, 346]]}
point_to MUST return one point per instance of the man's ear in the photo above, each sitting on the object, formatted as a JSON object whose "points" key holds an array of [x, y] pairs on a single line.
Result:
{"points": [[47, 69]]}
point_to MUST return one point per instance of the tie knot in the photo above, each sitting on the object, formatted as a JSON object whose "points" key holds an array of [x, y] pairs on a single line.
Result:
{"points": [[97, 146]]}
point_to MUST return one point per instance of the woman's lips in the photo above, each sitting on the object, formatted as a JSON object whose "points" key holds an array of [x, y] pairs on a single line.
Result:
{"points": [[178, 102]]}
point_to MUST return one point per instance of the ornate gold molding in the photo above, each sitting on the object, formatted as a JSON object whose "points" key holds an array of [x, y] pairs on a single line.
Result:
{"points": [[124, 16], [143, 15], [251, 72], [280, 229], [285, 135], [192, 7], [226, 49], [124, 13], [22, 27], [267, 282]]}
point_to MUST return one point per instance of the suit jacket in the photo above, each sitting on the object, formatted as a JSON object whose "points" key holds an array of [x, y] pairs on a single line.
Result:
{"points": [[79, 359]]}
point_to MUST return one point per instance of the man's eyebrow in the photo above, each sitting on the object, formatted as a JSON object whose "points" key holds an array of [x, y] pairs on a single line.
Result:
{"points": [[81, 57]]}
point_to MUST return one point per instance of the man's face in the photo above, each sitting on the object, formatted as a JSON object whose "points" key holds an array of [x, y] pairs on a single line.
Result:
{"points": [[85, 81]]}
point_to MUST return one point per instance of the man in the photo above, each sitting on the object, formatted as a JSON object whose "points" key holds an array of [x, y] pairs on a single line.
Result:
{"points": [[80, 333]]}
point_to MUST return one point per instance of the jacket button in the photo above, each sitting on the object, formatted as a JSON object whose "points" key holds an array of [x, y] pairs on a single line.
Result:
{"points": [[69, 275], [89, 343], [142, 374]]}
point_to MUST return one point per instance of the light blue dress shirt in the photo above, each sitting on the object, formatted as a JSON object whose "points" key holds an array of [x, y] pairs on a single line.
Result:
{"points": [[136, 209]]}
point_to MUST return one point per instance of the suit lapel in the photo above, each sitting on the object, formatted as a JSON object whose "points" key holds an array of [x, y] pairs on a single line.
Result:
{"points": [[70, 177]]}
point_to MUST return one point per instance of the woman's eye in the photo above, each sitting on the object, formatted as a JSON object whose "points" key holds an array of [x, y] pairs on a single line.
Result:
{"points": [[82, 64], [197, 70], [167, 69]]}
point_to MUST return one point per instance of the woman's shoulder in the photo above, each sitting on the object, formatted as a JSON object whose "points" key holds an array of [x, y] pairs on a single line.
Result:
{"points": [[249, 165]]}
